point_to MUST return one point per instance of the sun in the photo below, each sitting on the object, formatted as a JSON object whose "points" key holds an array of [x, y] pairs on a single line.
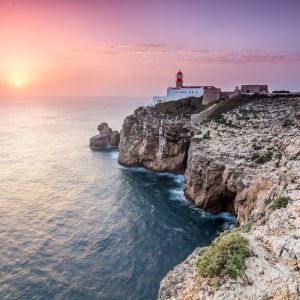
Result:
{"points": [[18, 84]]}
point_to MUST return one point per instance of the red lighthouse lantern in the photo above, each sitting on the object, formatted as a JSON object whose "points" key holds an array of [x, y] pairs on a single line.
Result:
{"points": [[179, 79]]}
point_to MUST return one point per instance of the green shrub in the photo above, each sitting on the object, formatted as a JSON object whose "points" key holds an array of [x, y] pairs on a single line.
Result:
{"points": [[287, 123], [255, 156], [225, 256], [262, 158], [206, 136], [280, 202], [267, 156], [246, 228]]}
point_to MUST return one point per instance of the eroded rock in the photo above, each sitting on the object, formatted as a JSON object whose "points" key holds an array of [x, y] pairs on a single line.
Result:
{"points": [[107, 138], [248, 158], [155, 141], [251, 151]]}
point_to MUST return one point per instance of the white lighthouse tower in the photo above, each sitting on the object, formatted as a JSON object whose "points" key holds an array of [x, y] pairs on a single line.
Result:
{"points": [[180, 91]]}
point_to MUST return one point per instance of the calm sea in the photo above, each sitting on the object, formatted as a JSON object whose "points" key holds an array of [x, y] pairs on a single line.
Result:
{"points": [[76, 225]]}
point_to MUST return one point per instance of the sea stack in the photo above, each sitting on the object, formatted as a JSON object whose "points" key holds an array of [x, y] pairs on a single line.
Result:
{"points": [[107, 138]]}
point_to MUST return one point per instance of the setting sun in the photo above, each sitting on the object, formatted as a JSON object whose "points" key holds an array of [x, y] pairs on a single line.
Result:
{"points": [[18, 85]]}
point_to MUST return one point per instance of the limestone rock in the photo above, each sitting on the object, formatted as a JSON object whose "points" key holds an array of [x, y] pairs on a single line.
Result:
{"points": [[272, 270], [204, 178], [250, 157], [238, 160], [155, 141], [107, 138]]}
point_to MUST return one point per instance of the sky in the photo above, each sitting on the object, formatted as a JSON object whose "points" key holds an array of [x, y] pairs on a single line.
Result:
{"points": [[135, 47]]}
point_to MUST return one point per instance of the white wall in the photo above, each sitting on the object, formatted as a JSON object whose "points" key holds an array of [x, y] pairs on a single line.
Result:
{"points": [[159, 99], [180, 93]]}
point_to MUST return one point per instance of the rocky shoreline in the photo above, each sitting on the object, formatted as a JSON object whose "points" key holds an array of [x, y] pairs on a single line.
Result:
{"points": [[241, 158], [253, 153]]}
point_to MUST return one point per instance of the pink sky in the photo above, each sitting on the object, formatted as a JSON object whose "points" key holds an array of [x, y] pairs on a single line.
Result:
{"points": [[134, 48]]}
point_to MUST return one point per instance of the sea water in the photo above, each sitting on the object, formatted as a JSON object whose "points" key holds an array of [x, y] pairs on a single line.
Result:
{"points": [[76, 225]]}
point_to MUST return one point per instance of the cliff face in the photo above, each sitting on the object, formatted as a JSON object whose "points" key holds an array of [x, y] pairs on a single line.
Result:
{"points": [[241, 161], [155, 141], [272, 270], [239, 158], [244, 160]]}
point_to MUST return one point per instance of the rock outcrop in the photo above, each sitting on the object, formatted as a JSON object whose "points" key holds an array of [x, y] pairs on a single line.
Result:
{"points": [[107, 138], [272, 270], [242, 161], [156, 141], [239, 156]]}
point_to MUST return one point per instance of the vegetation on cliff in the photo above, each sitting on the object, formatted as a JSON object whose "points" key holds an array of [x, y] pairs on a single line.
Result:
{"points": [[261, 158], [280, 202], [186, 106], [253, 159], [225, 256]]}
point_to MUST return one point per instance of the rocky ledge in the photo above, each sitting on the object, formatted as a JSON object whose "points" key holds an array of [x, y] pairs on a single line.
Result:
{"points": [[107, 138], [158, 138], [243, 158], [247, 161], [240, 158], [155, 141]]}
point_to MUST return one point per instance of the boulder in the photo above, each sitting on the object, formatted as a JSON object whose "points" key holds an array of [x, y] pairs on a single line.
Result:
{"points": [[107, 138]]}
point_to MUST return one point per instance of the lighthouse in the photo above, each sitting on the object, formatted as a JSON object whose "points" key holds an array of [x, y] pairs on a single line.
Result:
{"points": [[179, 79], [180, 91]]}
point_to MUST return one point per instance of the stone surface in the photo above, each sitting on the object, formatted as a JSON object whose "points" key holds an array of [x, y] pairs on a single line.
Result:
{"points": [[155, 141], [107, 138], [229, 166], [222, 172], [272, 270], [240, 159]]}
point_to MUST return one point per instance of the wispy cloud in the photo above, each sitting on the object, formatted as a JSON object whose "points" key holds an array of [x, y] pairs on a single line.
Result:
{"points": [[204, 56], [119, 49], [191, 56]]}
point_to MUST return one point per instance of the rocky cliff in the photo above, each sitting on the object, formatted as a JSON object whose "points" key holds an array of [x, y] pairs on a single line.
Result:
{"points": [[244, 155], [154, 140], [247, 161]]}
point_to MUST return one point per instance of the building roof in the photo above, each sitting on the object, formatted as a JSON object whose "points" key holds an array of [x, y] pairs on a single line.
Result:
{"points": [[254, 85], [206, 87], [186, 87]]}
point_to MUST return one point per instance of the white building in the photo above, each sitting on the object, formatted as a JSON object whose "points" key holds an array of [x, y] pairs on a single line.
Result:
{"points": [[180, 91]]}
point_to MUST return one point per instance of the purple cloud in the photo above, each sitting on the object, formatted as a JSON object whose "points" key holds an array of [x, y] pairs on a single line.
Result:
{"points": [[192, 56]]}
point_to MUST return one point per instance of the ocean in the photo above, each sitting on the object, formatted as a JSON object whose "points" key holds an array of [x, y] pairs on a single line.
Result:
{"points": [[76, 225]]}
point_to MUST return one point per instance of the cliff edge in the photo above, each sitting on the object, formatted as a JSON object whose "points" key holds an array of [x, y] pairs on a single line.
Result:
{"points": [[158, 138], [247, 161], [242, 157]]}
